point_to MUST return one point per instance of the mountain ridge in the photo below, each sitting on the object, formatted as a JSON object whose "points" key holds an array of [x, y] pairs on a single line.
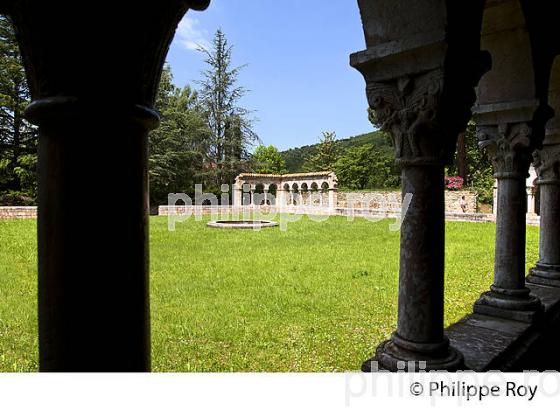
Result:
{"points": [[295, 157]]}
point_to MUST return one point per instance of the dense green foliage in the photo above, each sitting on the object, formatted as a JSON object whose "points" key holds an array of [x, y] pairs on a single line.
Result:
{"points": [[179, 147], [367, 162], [363, 162], [478, 167], [267, 160], [276, 306], [295, 157], [366, 166], [204, 136], [18, 139], [326, 155]]}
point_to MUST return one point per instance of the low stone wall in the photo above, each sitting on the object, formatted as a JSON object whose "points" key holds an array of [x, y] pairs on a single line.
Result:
{"points": [[18, 212], [391, 201], [387, 201], [30, 212], [453, 201], [226, 211]]}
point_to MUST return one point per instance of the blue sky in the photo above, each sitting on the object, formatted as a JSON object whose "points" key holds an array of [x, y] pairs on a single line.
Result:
{"points": [[297, 53]]}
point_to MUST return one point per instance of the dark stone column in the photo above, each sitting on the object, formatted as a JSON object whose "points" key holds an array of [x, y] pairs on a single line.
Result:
{"points": [[421, 65], [419, 143], [547, 270], [422, 257], [93, 74], [510, 147], [547, 164], [93, 237]]}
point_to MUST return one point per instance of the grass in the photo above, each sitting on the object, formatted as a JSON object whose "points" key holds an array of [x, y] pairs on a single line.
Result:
{"points": [[318, 297]]}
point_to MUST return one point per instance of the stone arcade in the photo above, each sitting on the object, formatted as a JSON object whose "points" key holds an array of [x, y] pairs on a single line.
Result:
{"points": [[289, 190], [424, 68], [427, 65]]}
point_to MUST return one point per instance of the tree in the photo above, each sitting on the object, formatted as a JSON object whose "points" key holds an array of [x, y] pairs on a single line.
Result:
{"points": [[461, 158], [353, 168], [478, 167], [18, 139], [366, 166], [179, 147], [326, 156], [229, 123], [268, 160]]}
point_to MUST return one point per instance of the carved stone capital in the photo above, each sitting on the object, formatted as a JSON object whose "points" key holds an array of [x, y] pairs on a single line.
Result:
{"points": [[509, 147], [406, 108], [547, 164]]}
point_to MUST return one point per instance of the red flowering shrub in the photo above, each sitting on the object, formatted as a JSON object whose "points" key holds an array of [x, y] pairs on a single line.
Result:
{"points": [[454, 183]]}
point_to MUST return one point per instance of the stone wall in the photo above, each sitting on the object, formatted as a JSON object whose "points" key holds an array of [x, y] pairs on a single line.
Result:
{"points": [[453, 201], [265, 212], [18, 212], [391, 201]]}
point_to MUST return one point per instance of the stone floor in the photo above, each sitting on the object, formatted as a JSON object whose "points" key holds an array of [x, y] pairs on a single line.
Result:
{"points": [[489, 343]]}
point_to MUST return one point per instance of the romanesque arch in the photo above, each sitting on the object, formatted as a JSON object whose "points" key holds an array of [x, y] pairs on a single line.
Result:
{"points": [[422, 62]]}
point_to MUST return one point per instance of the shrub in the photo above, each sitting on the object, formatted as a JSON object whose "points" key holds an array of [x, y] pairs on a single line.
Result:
{"points": [[454, 183]]}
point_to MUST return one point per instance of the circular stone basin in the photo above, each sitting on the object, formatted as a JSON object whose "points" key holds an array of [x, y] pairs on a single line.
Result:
{"points": [[242, 224]]}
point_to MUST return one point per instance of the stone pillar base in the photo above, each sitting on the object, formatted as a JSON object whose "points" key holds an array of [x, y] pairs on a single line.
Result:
{"points": [[398, 354], [517, 305], [547, 275]]}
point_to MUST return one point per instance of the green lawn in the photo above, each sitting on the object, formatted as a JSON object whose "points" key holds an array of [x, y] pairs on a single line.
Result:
{"points": [[318, 297]]}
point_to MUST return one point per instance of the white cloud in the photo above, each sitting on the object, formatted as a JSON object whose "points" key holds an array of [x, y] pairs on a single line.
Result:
{"points": [[190, 35]]}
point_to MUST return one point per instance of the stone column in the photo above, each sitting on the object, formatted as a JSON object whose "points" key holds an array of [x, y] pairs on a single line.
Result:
{"points": [[332, 198], [92, 100], [511, 113], [246, 195], [495, 198], [509, 147], [547, 270], [237, 196], [280, 201], [419, 142], [530, 200]]}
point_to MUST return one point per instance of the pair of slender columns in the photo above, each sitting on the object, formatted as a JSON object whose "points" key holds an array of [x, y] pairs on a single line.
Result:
{"points": [[250, 198], [547, 270], [264, 200], [419, 338]]}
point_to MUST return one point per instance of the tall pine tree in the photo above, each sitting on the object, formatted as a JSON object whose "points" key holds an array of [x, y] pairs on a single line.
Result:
{"points": [[230, 124], [18, 139]]}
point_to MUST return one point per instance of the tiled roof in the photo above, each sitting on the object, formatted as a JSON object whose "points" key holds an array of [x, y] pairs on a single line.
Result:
{"points": [[299, 175]]}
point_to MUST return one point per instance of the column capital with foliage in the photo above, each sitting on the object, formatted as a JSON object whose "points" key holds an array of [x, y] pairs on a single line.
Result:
{"points": [[406, 108], [509, 148], [547, 164]]}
